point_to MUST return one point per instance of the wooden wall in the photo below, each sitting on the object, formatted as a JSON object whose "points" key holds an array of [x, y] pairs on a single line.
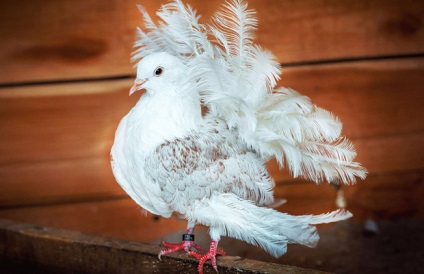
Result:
{"points": [[64, 81]]}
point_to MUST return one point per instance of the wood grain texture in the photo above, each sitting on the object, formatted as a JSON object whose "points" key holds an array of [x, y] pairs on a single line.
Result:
{"points": [[309, 30], [379, 196], [55, 141], [63, 121], [119, 218], [304, 198], [371, 98], [60, 181], [390, 195], [56, 40]]}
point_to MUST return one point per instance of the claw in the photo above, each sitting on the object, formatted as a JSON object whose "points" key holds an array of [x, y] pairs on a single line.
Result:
{"points": [[171, 248], [211, 255]]}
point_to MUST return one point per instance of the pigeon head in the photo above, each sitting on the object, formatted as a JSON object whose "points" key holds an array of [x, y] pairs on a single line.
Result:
{"points": [[159, 72]]}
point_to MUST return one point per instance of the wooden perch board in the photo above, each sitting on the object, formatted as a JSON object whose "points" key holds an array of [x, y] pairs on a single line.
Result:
{"points": [[34, 249]]}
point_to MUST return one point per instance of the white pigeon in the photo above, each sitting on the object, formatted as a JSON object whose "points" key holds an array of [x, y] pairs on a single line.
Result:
{"points": [[210, 168]]}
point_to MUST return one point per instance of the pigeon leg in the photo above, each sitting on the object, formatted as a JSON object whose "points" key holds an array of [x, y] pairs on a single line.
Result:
{"points": [[186, 244], [211, 255]]}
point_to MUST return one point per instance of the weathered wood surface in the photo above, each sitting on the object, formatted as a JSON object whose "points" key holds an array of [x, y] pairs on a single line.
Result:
{"points": [[57, 40], [37, 249]]}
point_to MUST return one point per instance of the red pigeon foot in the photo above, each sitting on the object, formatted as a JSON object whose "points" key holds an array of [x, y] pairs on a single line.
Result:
{"points": [[184, 245], [211, 255]]}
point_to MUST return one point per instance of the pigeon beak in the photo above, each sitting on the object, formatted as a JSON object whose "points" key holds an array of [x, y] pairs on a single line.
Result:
{"points": [[137, 85]]}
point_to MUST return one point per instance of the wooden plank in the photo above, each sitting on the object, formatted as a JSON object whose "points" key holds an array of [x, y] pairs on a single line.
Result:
{"points": [[53, 40], [53, 250], [371, 98], [310, 30], [392, 154], [61, 181], [379, 196], [61, 121], [55, 141], [120, 218], [388, 196], [306, 198]]}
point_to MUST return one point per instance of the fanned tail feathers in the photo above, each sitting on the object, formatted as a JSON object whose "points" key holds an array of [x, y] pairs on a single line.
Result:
{"points": [[236, 81]]}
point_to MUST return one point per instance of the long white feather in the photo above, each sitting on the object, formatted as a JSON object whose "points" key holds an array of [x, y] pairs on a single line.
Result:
{"points": [[234, 27], [268, 228]]}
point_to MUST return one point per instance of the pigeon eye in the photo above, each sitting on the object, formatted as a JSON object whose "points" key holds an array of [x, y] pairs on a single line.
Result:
{"points": [[158, 71]]}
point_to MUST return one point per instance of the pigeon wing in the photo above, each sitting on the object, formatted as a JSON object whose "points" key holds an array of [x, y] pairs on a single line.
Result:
{"points": [[208, 160]]}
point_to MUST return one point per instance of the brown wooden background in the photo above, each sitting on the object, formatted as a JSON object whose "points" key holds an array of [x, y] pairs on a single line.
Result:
{"points": [[64, 81]]}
